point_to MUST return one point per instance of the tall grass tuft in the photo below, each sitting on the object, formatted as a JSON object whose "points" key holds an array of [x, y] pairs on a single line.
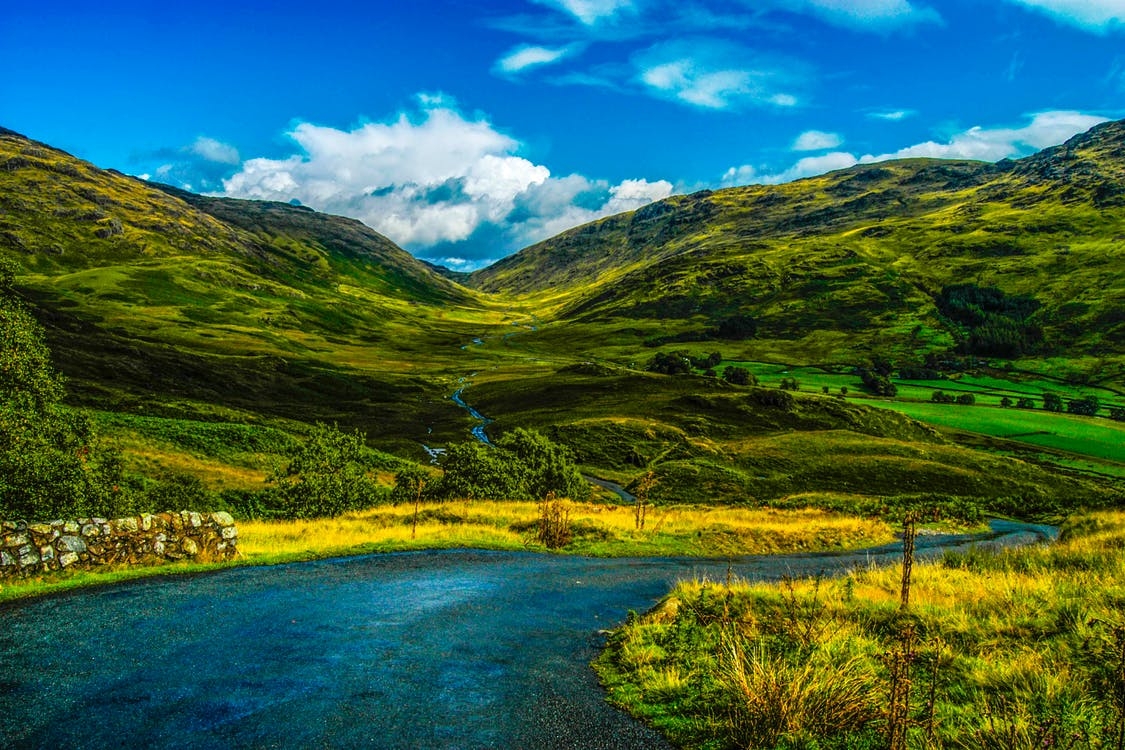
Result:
{"points": [[774, 699]]}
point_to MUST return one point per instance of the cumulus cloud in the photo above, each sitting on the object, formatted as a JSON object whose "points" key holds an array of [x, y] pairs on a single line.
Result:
{"points": [[817, 140], [1098, 16], [590, 12], [710, 74], [806, 167], [984, 144], [528, 56], [992, 144], [432, 177]]}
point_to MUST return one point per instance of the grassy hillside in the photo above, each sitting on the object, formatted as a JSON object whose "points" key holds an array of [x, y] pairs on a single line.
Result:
{"points": [[209, 332], [163, 300], [860, 262]]}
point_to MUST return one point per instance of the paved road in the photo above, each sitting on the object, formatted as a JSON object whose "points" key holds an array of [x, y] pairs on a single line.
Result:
{"points": [[458, 649]]}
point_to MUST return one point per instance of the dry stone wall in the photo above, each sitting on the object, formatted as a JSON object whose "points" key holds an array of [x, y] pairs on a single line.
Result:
{"points": [[84, 543]]}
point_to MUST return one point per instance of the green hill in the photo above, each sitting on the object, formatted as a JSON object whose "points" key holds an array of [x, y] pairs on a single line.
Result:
{"points": [[883, 259], [170, 311], [150, 293]]}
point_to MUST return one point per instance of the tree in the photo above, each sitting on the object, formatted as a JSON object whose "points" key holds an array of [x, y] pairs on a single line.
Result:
{"points": [[1084, 406], [737, 327], [1005, 402], [1025, 403], [674, 363], [329, 474], [522, 465], [545, 467], [1052, 402], [50, 463], [410, 486], [877, 381], [474, 471], [642, 488], [966, 399], [738, 376]]}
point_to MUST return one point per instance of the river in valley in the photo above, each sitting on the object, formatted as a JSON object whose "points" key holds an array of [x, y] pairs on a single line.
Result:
{"points": [[446, 649]]}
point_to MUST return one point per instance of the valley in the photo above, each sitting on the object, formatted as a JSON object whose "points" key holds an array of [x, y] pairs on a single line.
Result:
{"points": [[166, 309], [801, 369]]}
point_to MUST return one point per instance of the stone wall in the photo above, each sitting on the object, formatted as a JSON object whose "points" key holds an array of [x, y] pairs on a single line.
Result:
{"points": [[84, 543]]}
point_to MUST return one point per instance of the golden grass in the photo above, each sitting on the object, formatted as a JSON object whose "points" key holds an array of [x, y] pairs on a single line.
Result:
{"points": [[598, 529], [1027, 641]]}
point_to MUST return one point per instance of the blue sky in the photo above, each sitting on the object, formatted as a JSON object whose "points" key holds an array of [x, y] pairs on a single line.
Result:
{"points": [[465, 130]]}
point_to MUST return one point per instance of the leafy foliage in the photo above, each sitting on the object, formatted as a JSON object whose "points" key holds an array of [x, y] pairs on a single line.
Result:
{"points": [[523, 465], [998, 324], [739, 376], [877, 382], [329, 474], [50, 463], [670, 363]]}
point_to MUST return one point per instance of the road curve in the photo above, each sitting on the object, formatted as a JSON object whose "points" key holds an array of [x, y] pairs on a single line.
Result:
{"points": [[451, 649]]}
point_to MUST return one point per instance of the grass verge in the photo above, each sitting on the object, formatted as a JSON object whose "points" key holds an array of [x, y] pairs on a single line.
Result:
{"points": [[1011, 649]]}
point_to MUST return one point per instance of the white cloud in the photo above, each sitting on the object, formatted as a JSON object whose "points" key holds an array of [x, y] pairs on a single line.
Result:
{"points": [[1098, 16], [715, 75], [529, 56], [735, 176], [566, 202], [212, 150], [817, 140], [590, 12], [809, 167], [434, 176], [992, 144], [986, 144], [865, 15], [892, 115]]}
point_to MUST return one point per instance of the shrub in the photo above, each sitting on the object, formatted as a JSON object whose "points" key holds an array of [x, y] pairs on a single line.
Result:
{"points": [[674, 363], [876, 382], [1087, 407], [177, 491], [523, 465], [966, 399], [329, 474], [739, 376]]}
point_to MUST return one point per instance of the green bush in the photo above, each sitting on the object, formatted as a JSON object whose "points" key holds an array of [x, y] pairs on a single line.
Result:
{"points": [[329, 474], [523, 465], [51, 465]]}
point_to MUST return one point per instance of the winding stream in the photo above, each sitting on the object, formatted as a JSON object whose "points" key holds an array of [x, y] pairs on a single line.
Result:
{"points": [[453, 649]]}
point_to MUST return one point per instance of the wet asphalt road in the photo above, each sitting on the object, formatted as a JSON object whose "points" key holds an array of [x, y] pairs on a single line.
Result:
{"points": [[457, 649]]}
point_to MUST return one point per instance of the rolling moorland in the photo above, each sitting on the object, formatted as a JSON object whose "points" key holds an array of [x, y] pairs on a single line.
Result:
{"points": [[759, 364], [204, 335]]}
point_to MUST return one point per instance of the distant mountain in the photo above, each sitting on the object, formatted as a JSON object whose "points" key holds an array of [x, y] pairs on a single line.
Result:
{"points": [[882, 257]]}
